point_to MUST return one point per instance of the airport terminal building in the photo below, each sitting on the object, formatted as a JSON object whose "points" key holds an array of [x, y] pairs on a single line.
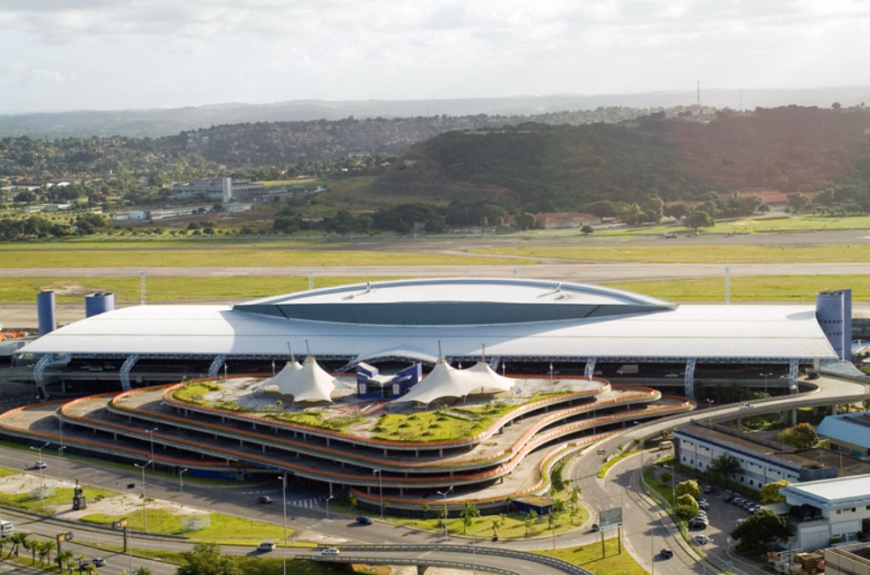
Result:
{"points": [[530, 326]]}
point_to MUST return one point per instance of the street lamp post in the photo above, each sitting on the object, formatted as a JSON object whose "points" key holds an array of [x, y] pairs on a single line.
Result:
{"points": [[765, 376], [284, 503], [150, 432], [144, 515], [328, 499], [60, 428], [380, 489], [41, 465], [445, 494], [181, 479]]}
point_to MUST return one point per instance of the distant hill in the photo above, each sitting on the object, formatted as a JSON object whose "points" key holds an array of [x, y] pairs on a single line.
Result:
{"points": [[564, 167], [155, 123]]}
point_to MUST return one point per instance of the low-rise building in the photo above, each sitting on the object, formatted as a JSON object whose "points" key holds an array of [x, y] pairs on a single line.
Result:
{"points": [[829, 510], [848, 560], [761, 462], [848, 433], [555, 220], [225, 190]]}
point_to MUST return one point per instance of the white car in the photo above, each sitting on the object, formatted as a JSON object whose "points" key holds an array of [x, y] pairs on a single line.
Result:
{"points": [[331, 551], [745, 406], [702, 539], [40, 465], [266, 546]]}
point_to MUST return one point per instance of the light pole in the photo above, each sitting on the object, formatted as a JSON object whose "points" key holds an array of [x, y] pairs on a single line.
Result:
{"points": [[181, 479], [284, 502], [144, 516], [150, 432], [710, 403], [60, 428], [41, 466], [328, 499], [445, 494], [765, 376]]}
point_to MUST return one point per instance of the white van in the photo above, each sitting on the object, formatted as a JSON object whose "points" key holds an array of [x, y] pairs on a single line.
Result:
{"points": [[6, 528]]}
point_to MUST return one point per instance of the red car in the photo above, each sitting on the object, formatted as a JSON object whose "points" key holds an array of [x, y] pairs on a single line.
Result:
{"points": [[264, 499]]}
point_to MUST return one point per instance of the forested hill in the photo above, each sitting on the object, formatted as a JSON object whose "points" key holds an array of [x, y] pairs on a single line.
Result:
{"points": [[564, 167]]}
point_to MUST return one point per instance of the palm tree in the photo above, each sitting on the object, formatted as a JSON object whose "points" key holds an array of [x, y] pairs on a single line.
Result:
{"points": [[18, 540], [2, 543], [468, 514], [49, 546], [65, 558], [34, 546], [724, 467]]}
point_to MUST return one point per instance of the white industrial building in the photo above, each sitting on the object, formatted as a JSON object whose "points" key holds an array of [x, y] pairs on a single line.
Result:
{"points": [[848, 433], [829, 510]]}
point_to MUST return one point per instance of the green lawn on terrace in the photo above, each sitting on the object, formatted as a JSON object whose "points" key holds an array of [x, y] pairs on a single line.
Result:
{"points": [[691, 254], [792, 289]]}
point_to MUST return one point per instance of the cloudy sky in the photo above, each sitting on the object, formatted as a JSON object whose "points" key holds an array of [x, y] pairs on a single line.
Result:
{"points": [[115, 54]]}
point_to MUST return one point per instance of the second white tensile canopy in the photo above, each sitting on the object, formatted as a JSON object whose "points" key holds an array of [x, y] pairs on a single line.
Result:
{"points": [[447, 381], [306, 382]]}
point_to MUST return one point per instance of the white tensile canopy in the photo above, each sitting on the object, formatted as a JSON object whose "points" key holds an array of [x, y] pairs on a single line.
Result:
{"points": [[306, 382], [447, 381]]}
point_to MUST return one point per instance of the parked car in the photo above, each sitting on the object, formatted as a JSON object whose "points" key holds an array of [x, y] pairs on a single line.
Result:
{"points": [[708, 489], [702, 539], [363, 520], [703, 504], [738, 501], [264, 499], [331, 551], [755, 508], [748, 505], [266, 546], [699, 523], [666, 553], [730, 497]]}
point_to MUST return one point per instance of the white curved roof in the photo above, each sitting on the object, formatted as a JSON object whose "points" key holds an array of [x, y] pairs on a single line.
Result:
{"points": [[716, 332], [308, 382], [447, 381]]}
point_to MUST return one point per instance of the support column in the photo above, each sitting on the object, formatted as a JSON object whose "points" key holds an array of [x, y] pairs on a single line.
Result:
{"points": [[589, 370], [39, 375], [216, 365], [126, 368], [421, 570], [689, 379], [793, 372]]}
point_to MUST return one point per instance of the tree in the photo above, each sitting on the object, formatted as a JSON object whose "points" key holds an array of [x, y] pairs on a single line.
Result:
{"points": [[468, 514], [551, 520], [207, 559], [689, 487], [797, 202], [801, 436], [425, 509], [687, 501], [33, 546], [699, 219], [530, 520], [525, 220], [678, 211], [685, 512], [48, 546], [758, 532], [724, 467], [141, 570], [497, 523], [770, 492], [587, 229]]}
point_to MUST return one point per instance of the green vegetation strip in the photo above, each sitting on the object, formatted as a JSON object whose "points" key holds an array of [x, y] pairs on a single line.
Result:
{"points": [[167, 289], [590, 557], [669, 253], [437, 425], [605, 467], [513, 527], [224, 528], [666, 490], [801, 289], [91, 258]]}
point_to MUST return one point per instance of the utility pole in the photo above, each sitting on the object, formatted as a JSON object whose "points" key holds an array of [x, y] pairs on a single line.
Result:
{"points": [[143, 273], [727, 285]]}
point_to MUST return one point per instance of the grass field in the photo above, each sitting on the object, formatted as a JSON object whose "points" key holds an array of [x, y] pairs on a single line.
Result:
{"points": [[61, 496], [145, 258], [693, 254], [590, 557], [435, 426], [163, 289], [514, 526], [224, 528], [795, 289], [774, 223]]}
